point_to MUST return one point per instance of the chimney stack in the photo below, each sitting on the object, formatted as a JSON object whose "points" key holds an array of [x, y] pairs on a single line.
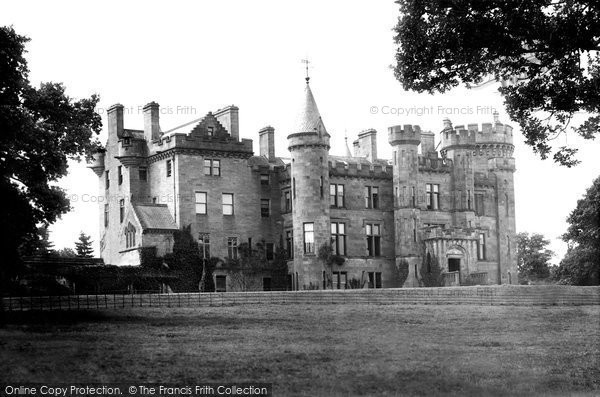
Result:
{"points": [[267, 142], [115, 120], [229, 118], [367, 145], [151, 122], [427, 142]]}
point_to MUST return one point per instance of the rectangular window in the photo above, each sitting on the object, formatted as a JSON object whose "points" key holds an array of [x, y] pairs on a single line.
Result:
{"points": [[309, 238], [106, 180], [121, 210], [469, 200], [212, 167], [264, 179], [338, 238], [479, 206], [340, 280], [143, 174], [371, 197], [373, 239], [227, 203], [270, 251], [232, 247], [415, 230], [210, 131], [105, 215], [414, 196], [265, 209], [432, 196], [374, 279], [204, 245], [201, 202], [120, 174], [289, 242], [394, 156], [220, 283], [294, 187], [481, 247], [169, 168], [336, 195], [287, 196], [321, 186]]}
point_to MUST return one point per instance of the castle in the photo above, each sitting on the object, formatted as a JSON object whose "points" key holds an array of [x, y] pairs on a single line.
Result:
{"points": [[452, 210]]}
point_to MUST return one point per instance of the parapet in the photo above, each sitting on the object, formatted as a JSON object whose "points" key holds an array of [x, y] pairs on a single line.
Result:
{"points": [[474, 135], [360, 170], [404, 135]]}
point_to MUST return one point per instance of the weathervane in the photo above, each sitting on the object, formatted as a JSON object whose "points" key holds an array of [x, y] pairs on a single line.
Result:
{"points": [[306, 62]]}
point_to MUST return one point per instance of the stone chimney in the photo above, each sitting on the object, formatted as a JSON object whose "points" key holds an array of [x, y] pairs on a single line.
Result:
{"points": [[115, 120], [266, 139], [447, 123], [229, 118], [151, 122], [367, 145], [427, 142]]}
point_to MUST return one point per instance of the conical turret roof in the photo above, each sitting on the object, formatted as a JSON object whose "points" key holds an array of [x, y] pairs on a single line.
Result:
{"points": [[309, 118]]}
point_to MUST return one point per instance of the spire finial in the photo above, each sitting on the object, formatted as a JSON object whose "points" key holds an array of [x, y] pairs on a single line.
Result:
{"points": [[306, 62]]}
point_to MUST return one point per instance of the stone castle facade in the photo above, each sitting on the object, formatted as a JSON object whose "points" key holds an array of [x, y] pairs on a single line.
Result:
{"points": [[451, 209]]}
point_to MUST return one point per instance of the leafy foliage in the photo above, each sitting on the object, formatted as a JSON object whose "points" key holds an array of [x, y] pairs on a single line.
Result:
{"points": [[329, 259], [401, 272], [246, 269], [84, 246], [533, 257], [581, 264], [66, 253], [431, 272], [41, 129], [185, 261], [545, 53]]}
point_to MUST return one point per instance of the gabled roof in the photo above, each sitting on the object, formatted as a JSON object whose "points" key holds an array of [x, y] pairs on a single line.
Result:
{"points": [[154, 217], [309, 118]]}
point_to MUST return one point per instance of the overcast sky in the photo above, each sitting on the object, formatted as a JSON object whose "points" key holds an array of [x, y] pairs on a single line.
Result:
{"points": [[195, 57]]}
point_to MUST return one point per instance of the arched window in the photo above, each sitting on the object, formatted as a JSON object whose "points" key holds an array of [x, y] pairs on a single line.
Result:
{"points": [[129, 236]]}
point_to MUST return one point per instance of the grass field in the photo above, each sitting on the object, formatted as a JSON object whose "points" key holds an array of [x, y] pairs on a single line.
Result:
{"points": [[317, 349]]}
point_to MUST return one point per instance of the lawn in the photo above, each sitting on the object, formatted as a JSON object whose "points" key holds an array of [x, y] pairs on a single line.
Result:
{"points": [[317, 349]]}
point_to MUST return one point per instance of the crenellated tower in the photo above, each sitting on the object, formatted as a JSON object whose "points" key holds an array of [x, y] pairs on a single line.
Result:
{"points": [[309, 149], [405, 141]]}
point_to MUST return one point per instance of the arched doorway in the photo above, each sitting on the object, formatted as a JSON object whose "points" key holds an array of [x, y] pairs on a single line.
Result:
{"points": [[455, 257]]}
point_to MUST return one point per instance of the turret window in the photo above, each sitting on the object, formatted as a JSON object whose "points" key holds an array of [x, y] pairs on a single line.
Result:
{"points": [[309, 238], [481, 247], [106, 180], [143, 174], [120, 174], [105, 215], [169, 168], [121, 210]]}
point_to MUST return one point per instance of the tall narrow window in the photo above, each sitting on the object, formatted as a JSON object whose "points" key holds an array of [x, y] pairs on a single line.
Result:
{"points": [[336, 195], [371, 197], [288, 201], [204, 245], [264, 179], [106, 180], [232, 247], [479, 204], [120, 174], [105, 215], [321, 186], [289, 242], [169, 168], [143, 174], [121, 210], [265, 210], [129, 236], [414, 196], [415, 230], [481, 247], [220, 283], [338, 238], [227, 203], [210, 131], [294, 186], [432, 196], [270, 251], [395, 159], [201, 202], [309, 238], [373, 239], [207, 167], [507, 204]]}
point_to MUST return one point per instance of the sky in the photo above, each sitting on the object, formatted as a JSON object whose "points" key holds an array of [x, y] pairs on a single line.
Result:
{"points": [[196, 57]]}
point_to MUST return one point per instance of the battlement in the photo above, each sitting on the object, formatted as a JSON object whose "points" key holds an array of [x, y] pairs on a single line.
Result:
{"points": [[360, 170], [473, 134], [404, 135]]}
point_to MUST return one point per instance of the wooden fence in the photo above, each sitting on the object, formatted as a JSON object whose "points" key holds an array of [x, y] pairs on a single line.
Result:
{"points": [[476, 295]]}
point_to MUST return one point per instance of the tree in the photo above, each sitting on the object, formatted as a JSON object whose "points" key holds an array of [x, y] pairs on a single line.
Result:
{"points": [[83, 246], [581, 264], [42, 128], [185, 260], [66, 253], [329, 260], [431, 272], [246, 269], [545, 53], [533, 257]]}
